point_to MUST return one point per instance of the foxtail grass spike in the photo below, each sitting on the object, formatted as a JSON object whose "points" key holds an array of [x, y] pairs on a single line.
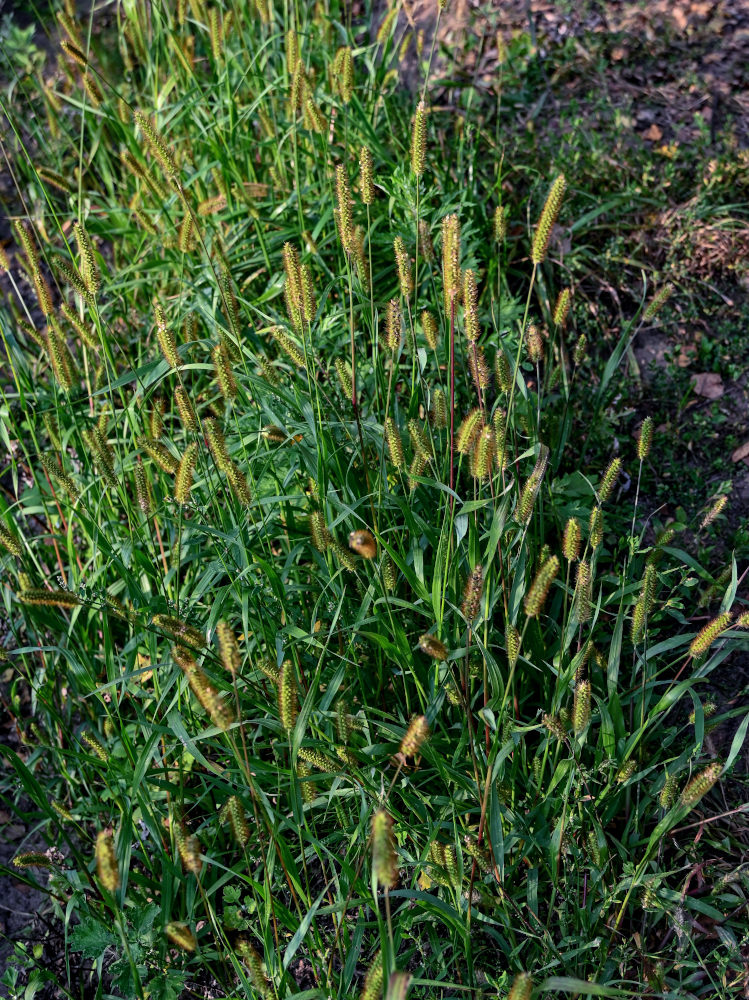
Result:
{"points": [[535, 344], [228, 648], [438, 410], [415, 736], [183, 481], [483, 454], [657, 302], [571, 540], [468, 432], [668, 791], [715, 511], [287, 696], [645, 439], [10, 542], [419, 140], [429, 327], [224, 375], [106, 861], [165, 336], [384, 859], [181, 936], [343, 201], [160, 455], [549, 215], [394, 443], [522, 987], [500, 224], [474, 589], [608, 481], [596, 527], [451, 274], [88, 266], [393, 326], [470, 303], [433, 647], [189, 848], [512, 643], [50, 598], [709, 634], [219, 711], [403, 264], [701, 785], [583, 589], [185, 408], [366, 176], [478, 368], [155, 141], [372, 988], [539, 589], [581, 708], [562, 308]]}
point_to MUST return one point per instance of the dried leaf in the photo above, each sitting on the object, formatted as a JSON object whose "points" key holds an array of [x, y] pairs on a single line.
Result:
{"points": [[741, 454], [708, 384], [653, 134]]}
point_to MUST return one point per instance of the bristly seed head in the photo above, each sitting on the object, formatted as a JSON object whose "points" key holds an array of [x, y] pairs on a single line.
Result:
{"points": [[571, 540], [474, 589], [645, 439], [536, 596], [415, 736], [608, 480], [106, 861], [433, 647], [366, 176], [419, 140], [706, 636], [549, 215], [384, 859]]}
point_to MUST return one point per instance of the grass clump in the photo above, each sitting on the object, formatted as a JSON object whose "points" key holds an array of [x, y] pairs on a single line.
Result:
{"points": [[336, 682]]}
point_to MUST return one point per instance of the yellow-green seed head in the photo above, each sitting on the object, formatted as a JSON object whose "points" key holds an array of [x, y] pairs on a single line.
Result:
{"points": [[384, 859], [522, 987], [581, 707], [438, 410], [288, 706], [419, 140], [372, 988], [468, 432], [106, 861], [539, 589], [394, 443], [474, 589], [657, 302], [415, 736], [701, 785], [562, 308], [433, 647], [549, 215], [366, 176], [403, 264], [609, 479], [183, 480], [645, 438], [571, 540], [709, 633], [430, 330], [181, 936]]}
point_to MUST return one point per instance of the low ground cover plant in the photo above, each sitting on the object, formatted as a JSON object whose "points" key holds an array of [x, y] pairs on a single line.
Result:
{"points": [[331, 679]]}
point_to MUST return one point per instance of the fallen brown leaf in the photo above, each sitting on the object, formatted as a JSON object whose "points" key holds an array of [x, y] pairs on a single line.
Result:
{"points": [[741, 454], [708, 384], [653, 134]]}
